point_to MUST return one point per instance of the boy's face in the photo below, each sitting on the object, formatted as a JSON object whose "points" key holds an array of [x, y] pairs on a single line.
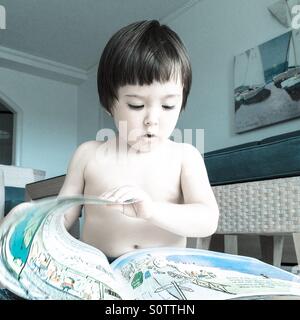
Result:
{"points": [[147, 115]]}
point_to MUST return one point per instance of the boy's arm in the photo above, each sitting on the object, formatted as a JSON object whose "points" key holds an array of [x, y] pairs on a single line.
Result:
{"points": [[74, 181], [198, 216]]}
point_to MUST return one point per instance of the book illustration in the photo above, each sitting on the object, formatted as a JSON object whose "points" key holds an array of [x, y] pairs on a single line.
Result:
{"points": [[185, 274], [39, 259]]}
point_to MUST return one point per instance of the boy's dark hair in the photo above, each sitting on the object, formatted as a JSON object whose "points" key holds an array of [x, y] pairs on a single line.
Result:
{"points": [[141, 53]]}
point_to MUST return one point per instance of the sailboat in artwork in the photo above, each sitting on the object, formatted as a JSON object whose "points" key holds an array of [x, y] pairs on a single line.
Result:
{"points": [[249, 79], [290, 82]]}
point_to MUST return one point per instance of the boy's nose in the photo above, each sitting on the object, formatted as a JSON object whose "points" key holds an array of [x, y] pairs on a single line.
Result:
{"points": [[150, 122], [151, 119]]}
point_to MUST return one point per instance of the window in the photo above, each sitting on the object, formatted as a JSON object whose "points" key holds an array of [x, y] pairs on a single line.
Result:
{"points": [[6, 135]]}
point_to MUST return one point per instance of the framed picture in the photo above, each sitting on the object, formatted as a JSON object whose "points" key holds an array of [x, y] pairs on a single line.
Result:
{"points": [[267, 83]]}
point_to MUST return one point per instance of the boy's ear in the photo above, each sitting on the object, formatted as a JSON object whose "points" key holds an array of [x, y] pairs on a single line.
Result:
{"points": [[107, 112]]}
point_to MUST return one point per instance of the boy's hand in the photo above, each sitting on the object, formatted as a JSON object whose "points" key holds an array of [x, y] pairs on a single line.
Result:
{"points": [[131, 201]]}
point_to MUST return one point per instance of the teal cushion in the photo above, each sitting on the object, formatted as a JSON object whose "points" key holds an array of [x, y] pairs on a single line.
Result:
{"points": [[274, 157], [13, 197]]}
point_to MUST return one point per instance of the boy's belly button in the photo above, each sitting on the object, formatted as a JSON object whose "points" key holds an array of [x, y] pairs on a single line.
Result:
{"points": [[135, 246]]}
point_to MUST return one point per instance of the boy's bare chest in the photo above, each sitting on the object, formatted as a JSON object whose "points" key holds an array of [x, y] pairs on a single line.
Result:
{"points": [[159, 177]]}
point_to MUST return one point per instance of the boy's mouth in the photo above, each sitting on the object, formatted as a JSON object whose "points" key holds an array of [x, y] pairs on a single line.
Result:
{"points": [[149, 135]]}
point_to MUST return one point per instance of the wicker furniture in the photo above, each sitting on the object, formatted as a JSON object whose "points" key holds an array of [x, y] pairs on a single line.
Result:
{"points": [[266, 208], [257, 187]]}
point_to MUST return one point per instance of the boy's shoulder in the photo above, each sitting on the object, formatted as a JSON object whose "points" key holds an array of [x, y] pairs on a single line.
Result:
{"points": [[85, 150], [89, 145], [189, 148], [182, 150], [191, 156], [186, 149]]}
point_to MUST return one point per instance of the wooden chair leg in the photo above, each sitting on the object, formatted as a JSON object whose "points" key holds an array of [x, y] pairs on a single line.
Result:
{"points": [[191, 242], [296, 239], [277, 250], [203, 243], [271, 249], [231, 244]]}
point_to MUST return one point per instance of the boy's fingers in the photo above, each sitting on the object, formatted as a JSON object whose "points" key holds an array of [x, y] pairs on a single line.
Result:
{"points": [[113, 191], [119, 193], [107, 194], [126, 210], [126, 199], [132, 200]]}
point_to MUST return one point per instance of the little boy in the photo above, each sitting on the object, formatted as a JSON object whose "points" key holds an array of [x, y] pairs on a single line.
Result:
{"points": [[144, 79]]}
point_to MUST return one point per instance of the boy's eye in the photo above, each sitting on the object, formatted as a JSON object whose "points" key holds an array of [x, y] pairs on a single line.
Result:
{"points": [[168, 107], [131, 106]]}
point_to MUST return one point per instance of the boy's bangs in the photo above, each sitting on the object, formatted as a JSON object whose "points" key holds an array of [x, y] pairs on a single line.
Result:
{"points": [[150, 70]]}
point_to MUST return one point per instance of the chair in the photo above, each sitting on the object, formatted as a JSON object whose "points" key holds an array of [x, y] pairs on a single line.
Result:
{"points": [[256, 185], [49, 188], [268, 208]]}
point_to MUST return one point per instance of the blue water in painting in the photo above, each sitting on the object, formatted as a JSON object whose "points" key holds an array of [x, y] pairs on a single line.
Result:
{"points": [[274, 54]]}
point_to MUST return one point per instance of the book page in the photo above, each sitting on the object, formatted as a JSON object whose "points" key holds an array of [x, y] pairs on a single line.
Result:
{"points": [[185, 274], [40, 260]]}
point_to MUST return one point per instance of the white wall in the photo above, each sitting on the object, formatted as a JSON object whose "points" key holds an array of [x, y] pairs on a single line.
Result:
{"points": [[88, 109], [214, 31], [91, 115], [49, 133]]}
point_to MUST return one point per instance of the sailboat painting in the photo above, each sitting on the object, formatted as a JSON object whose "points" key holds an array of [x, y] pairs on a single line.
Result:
{"points": [[267, 83]]}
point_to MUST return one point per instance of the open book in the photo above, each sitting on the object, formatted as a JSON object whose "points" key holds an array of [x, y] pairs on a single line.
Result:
{"points": [[39, 259]]}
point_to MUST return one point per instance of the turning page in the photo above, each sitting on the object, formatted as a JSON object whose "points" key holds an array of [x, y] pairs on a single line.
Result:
{"points": [[39, 259]]}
